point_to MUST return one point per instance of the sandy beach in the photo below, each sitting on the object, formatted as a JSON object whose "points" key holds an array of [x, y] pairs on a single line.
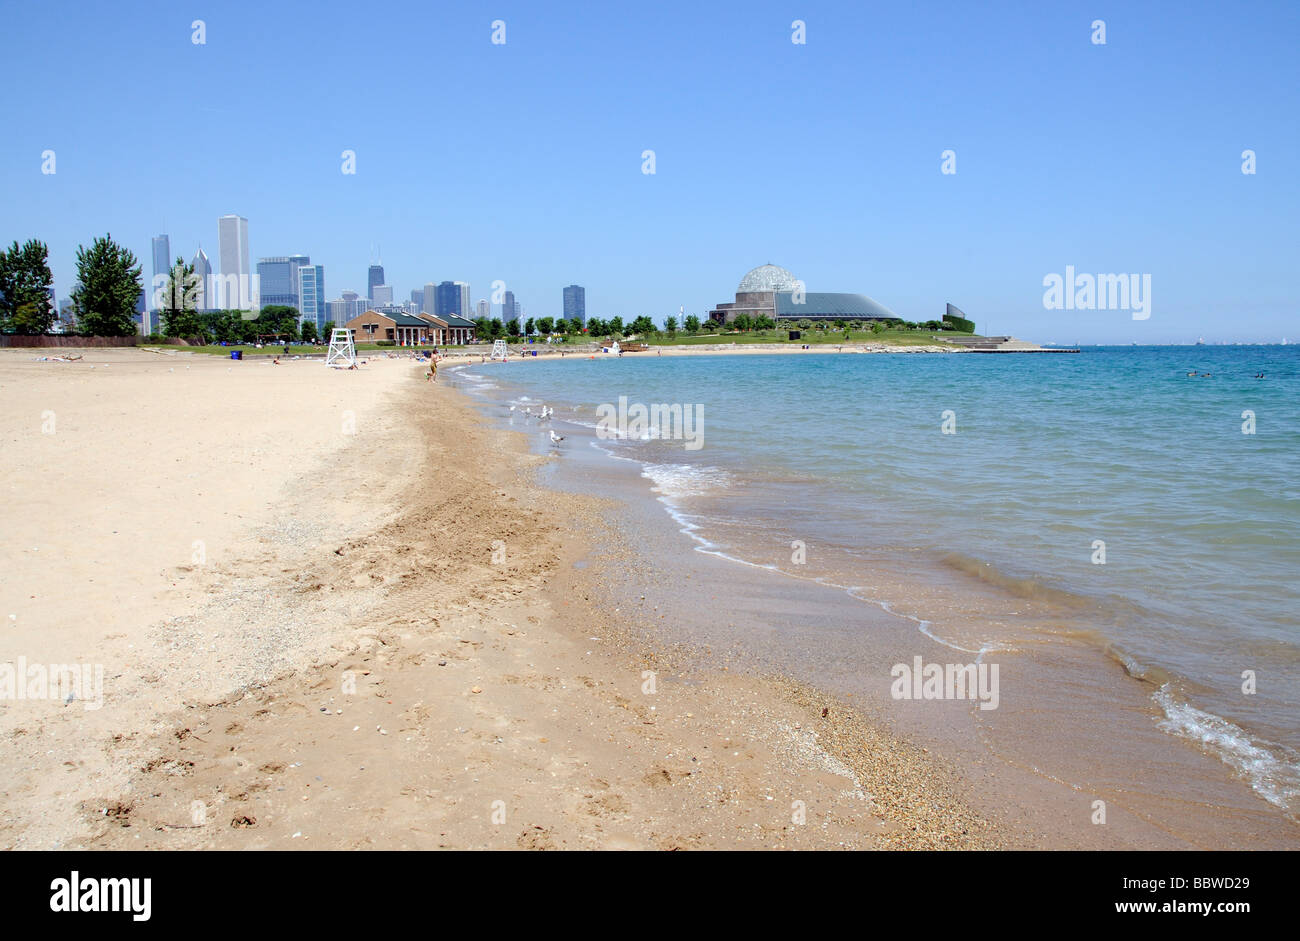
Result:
{"points": [[335, 610]]}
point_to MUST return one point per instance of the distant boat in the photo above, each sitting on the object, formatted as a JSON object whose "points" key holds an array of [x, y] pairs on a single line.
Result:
{"points": [[1200, 341], [1284, 341]]}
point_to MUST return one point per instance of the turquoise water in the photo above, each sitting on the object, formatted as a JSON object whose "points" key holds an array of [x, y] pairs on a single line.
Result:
{"points": [[1051, 453]]}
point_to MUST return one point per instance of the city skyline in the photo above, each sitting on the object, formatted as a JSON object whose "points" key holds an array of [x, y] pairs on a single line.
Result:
{"points": [[849, 188]]}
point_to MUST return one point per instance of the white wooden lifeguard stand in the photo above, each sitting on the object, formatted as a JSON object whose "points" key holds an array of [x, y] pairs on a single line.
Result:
{"points": [[499, 350], [342, 352]]}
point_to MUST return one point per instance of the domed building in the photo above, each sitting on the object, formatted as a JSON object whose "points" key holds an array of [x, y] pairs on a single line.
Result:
{"points": [[774, 292], [756, 294]]}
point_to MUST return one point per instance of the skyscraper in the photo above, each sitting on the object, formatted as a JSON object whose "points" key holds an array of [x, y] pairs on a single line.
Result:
{"points": [[509, 309], [575, 303], [483, 310], [162, 265], [311, 294], [205, 297], [278, 280], [238, 291], [373, 280], [381, 295], [430, 294], [417, 298], [452, 298], [464, 299]]}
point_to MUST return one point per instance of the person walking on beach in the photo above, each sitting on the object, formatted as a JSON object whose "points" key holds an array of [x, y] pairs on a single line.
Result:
{"points": [[433, 369]]}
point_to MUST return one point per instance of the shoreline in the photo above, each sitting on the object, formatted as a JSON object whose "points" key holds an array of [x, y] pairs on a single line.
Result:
{"points": [[1237, 814]]}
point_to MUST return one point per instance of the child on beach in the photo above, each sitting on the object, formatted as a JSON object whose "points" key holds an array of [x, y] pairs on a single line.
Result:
{"points": [[433, 369]]}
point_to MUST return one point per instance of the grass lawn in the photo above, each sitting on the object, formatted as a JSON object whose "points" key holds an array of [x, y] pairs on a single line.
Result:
{"points": [[811, 337]]}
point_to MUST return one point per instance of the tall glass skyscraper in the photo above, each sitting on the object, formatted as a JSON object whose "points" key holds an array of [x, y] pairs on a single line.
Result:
{"points": [[575, 303], [238, 292], [509, 308], [374, 279], [162, 265], [279, 279], [311, 294], [452, 298]]}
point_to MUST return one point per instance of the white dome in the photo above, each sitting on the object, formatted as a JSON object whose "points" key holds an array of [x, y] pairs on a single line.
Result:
{"points": [[767, 278]]}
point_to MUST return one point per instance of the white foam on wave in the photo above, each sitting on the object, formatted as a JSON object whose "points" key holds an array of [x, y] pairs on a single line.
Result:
{"points": [[1276, 779], [685, 480]]}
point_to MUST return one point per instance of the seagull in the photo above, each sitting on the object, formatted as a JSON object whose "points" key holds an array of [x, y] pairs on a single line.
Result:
{"points": [[556, 439], [512, 408]]}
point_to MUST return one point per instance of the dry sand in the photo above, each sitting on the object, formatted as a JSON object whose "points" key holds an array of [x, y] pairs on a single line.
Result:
{"points": [[288, 575]]}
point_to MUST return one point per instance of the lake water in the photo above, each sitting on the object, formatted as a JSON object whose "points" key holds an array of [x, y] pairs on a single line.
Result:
{"points": [[998, 501]]}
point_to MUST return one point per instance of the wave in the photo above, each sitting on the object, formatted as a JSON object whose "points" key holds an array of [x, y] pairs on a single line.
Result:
{"points": [[1272, 770]]}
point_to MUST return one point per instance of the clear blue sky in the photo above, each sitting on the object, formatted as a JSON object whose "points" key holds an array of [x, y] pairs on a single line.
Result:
{"points": [[522, 162]]}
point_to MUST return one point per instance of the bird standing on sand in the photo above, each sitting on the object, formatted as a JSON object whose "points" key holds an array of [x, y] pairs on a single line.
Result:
{"points": [[556, 439]]}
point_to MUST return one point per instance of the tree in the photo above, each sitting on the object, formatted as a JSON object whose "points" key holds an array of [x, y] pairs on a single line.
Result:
{"points": [[528, 327], [309, 334], [692, 323], [25, 282], [671, 325], [278, 318], [615, 326], [327, 330], [742, 322], [513, 327], [178, 302], [105, 298], [642, 326]]}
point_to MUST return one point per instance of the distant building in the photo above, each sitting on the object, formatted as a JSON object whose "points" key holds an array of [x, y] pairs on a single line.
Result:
{"points": [[206, 297], [162, 261], [449, 299], [465, 309], [381, 295], [350, 305], [483, 310], [278, 280], [509, 308], [430, 297], [311, 294], [417, 298], [575, 303], [374, 279], [238, 290], [772, 291]]}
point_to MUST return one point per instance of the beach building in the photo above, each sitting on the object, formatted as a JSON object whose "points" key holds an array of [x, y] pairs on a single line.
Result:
{"points": [[407, 329], [449, 329], [772, 291]]}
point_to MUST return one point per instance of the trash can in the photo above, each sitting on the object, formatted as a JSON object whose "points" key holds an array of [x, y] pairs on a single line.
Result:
{"points": [[236, 354]]}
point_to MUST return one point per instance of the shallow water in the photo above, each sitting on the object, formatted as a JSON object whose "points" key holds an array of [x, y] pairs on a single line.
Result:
{"points": [[837, 469]]}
